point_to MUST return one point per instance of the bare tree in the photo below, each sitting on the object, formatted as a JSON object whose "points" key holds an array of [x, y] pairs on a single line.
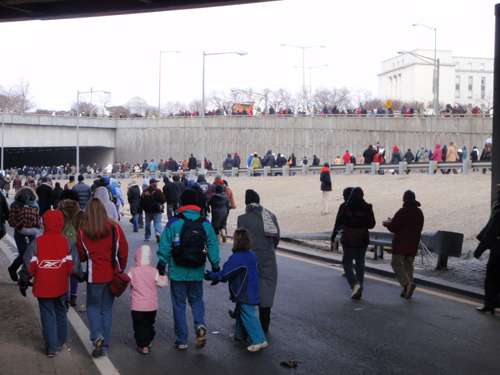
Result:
{"points": [[218, 99], [486, 102], [103, 101], [281, 98], [85, 108], [23, 94], [195, 106]]}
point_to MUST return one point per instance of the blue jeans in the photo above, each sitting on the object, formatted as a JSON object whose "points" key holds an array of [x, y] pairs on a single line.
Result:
{"points": [[247, 324], [100, 312], [147, 225], [54, 322], [350, 254], [193, 291], [73, 287], [135, 221], [22, 245]]}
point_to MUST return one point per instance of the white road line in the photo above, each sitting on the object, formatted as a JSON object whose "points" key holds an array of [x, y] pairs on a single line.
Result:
{"points": [[102, 363]]}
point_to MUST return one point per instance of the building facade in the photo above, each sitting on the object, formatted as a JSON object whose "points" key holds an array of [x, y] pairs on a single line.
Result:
{"points": [[462, 80]]}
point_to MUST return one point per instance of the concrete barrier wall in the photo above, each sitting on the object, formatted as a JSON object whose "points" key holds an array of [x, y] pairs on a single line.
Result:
{"points": [[137, 140]]}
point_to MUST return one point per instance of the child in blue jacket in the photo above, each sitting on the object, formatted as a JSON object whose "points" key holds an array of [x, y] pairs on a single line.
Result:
{"points": [[243, 276]]}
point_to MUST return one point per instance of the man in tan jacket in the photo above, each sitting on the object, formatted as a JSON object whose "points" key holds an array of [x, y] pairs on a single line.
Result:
{"points": [[451, 156]]}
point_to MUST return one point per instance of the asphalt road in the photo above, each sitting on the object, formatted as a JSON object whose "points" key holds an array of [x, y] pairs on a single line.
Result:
{"points": [[315, 322]]}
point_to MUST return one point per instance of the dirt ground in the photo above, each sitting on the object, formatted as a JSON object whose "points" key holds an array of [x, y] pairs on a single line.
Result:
{"points": [[457, 203]]}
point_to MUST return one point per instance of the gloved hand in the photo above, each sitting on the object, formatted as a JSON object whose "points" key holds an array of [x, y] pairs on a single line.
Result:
{"points": [[477, 254], [215, 269], [210, 276], [161, 268], [82, 278]]}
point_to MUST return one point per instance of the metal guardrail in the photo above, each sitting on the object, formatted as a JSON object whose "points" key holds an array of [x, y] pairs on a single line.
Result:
{"points": [[442, 243], [303, 170]]}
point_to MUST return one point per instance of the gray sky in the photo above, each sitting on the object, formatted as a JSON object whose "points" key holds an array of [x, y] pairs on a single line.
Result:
{"points": [[121, 53]]}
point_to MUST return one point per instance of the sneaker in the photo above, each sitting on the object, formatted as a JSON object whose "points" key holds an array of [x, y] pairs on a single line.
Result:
{"points": [[158, 237], [223, 234], [13, 274], [232, 314], [257, 347], [146, 239], [233, 337], [178, 345], [72, 300], [410, 292], [51, 355], [144, 350], [97, 351], [357, 290], [201, 337]]}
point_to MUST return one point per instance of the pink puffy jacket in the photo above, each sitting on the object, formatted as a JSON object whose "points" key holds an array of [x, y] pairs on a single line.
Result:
{"points": [[144, 280]]}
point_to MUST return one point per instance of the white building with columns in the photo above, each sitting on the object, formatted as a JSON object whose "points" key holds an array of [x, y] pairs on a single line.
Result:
{"points": [[463, 80]]}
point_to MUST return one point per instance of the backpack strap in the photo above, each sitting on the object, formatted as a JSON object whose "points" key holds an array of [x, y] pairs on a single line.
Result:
{"points": [[113, 247]]}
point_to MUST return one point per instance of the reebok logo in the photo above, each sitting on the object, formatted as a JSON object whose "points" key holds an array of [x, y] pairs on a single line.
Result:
{"points": [[50, 264]]}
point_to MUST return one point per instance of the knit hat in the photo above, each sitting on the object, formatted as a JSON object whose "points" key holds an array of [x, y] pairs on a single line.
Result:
{"points": [[134, 181], [326, 165], [251, 196], [218, 176], [189, 198], [218, 189], [70, 194], [409, 195], [145, 182], [80, 177], [357, 193]]}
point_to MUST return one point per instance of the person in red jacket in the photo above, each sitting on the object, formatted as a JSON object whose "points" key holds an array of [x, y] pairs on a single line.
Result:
{"points": [[50, 259], [95, 246], [347, 157], [407, 226]]}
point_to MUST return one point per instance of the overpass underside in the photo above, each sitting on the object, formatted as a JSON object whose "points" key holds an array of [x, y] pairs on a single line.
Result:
{"points": [[38, 156]]}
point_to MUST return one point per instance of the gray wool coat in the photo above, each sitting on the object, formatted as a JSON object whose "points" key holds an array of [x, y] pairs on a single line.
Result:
{"points": [[264, 248]]}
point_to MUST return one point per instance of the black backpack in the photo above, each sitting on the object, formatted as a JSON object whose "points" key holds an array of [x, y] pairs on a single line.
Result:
{"points": [[191, 252]]}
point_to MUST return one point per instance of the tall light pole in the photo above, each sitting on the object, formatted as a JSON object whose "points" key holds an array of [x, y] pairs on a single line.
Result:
{"points": [[303, 66], [436, 72], [159, 83], [310, 75], [203, 102], [78, 122]]}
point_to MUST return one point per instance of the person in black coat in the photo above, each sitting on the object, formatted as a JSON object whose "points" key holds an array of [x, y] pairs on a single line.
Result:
{"points": [[236, 160], [172, 194], [326, 187], [219, 206], [134, 195], [172, 165], [56, 195], [192, 162], [4, 214], [44, 192]]}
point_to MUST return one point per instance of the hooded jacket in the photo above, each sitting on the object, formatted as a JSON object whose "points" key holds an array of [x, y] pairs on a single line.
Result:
{"points": [[24, 215], [103, 194], [228, 163], [407, 226], [242, 273], [220, 206], [133, 195], [438, 153], [143, 282], [268, 160], [118, 192], [98, 253], [236, 160], [357, 217], [51, 259]]}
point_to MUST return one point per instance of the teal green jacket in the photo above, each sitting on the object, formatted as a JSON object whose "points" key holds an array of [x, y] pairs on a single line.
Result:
{"points": [[164, 253]]}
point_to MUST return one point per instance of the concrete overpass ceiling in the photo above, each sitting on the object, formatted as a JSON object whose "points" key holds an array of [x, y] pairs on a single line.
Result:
{"points": [[28, 10]]}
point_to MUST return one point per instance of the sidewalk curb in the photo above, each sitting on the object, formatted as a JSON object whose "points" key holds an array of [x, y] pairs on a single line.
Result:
{"points": [[386, 270]]}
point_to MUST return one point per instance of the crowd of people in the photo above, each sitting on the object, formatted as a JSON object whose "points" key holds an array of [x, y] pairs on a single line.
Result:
{"points": [[81, 225]]}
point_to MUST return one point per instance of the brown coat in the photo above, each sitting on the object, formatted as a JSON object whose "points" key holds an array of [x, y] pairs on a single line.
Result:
{"points": [[451, 154]]}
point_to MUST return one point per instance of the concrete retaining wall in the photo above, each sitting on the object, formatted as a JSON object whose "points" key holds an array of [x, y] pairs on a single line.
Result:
{"points": [[137, 140]]}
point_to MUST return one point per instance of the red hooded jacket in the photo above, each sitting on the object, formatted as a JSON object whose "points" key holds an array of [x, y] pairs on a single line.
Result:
{"points": [[52, 257]]}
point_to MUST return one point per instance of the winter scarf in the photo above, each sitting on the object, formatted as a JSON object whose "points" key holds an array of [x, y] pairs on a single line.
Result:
{"points": [[270, 228]]}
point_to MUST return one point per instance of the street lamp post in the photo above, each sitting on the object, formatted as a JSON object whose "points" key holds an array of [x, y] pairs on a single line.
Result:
{"points": [[159, 83], [436, 68], [310, 75], [303, 66], [256, 93], [436, 64], [78, 122], [203, 102]]}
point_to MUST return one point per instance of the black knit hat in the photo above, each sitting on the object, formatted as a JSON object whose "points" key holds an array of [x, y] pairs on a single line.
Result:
{"points": [[189, 198], [70, 194], [251, 196]]}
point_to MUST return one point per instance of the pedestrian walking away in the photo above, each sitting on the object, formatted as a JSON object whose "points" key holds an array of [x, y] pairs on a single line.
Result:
{"points": [[356, 217], [151, 202], [407, 226], [185, 243], [326, 187], [264, 229], [144, 280], [241, 272], [95, 246], [51, 282]]}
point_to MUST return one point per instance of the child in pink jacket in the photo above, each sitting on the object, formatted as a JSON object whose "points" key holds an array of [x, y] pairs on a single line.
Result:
{"points": [[143, 297]]}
